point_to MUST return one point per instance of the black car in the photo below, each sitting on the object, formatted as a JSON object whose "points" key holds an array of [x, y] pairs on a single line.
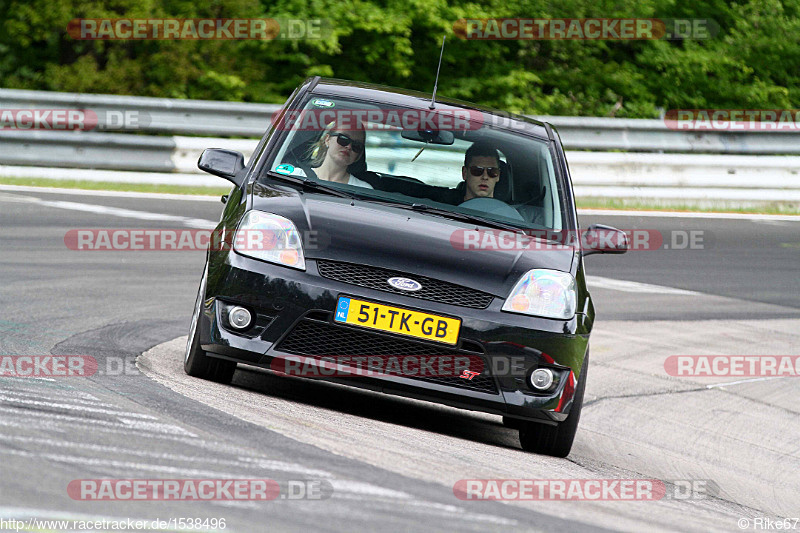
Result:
{"points": [[425, 248]]}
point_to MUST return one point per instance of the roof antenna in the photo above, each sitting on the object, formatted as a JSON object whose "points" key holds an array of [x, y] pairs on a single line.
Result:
{"points": [[436, 83]]}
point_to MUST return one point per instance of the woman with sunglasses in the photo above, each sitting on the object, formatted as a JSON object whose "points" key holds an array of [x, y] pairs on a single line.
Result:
{"points": [[334, 152]]}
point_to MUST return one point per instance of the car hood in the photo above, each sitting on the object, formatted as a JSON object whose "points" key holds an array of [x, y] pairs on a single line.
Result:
{"points": [[369, 233]]}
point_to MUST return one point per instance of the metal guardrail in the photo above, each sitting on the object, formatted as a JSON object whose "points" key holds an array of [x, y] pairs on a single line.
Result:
{"points": [[647, 135], [113, 151], [155, 115], [221, 119], [608, 157]]}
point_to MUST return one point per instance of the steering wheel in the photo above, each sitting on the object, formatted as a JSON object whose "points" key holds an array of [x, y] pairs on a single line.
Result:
{"points": [[530, 212], [492, 206]]}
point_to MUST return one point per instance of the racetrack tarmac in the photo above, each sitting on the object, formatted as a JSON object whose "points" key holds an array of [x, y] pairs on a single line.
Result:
{"points": [[392, 462]]}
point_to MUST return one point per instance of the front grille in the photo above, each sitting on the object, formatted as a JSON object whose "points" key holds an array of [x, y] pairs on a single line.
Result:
{"points": [[320, 339], [432, 289]]}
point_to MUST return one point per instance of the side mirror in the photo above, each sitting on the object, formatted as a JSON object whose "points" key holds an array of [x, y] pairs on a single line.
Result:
{"points": [[599, 239], [223, 163]]}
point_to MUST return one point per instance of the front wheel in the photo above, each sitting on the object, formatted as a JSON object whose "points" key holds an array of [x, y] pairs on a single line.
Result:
{"points": [[555, 440], [196, 362]]}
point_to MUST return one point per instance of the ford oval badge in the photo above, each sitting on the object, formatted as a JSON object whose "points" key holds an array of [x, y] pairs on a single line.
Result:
{"points": [[404, 284]]}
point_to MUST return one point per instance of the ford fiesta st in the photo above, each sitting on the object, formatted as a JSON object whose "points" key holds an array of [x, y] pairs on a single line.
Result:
{"points": [[421, 247]]}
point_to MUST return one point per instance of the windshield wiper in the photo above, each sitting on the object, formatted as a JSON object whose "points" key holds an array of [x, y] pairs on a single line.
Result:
{"points": [[309, 183], [425, 208]]}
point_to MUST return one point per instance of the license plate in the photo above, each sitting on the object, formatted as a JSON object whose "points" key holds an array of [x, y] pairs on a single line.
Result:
{"points": [[397, 320]]}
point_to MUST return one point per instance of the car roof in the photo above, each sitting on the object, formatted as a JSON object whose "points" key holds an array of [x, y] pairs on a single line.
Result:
{"points": [[420, 100]]}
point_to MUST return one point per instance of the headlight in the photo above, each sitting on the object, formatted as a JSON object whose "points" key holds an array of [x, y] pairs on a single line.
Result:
{"points": [[545, 293], [270, 238]]}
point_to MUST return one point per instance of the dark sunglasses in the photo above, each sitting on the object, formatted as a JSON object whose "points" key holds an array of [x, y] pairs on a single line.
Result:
{"points": [[345, 140], [493, 172]]}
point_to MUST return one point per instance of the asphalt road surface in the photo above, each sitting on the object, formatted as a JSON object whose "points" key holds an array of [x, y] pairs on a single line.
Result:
{"points": [[380, 462]]}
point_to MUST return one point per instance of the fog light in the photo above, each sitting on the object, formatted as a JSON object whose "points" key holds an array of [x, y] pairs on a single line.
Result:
{"points": [[239, 317], [542, 378]]}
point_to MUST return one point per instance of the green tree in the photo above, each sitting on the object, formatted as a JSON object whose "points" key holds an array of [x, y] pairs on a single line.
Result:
{"points": [[750, 63]]}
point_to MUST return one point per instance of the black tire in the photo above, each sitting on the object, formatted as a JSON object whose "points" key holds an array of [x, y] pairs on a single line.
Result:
{"points": [[513, 423], [196, 362], [555, 440]]}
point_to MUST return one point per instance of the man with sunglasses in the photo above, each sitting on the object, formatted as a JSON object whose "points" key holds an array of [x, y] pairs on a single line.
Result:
{"points": [[481, 171]]}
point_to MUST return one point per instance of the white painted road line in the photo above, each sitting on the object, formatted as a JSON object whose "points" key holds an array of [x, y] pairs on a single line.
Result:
{"points": [[117, 194], [158, 427], [718, 385], [129, 213], [124, 465], [50, 425], [358, 488], [240, 462], [597, 282], [57, 397], [134, 425], [367, 489], [72, 407], [114, 211]]}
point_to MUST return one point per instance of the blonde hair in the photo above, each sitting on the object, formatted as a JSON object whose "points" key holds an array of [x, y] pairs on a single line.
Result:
{"points": [[317, 152]]}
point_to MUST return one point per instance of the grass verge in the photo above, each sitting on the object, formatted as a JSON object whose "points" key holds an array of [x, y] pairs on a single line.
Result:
{"points": [[701, 206]]}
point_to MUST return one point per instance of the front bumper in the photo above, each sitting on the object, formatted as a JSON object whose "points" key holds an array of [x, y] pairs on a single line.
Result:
{"points": [[511, 345]]}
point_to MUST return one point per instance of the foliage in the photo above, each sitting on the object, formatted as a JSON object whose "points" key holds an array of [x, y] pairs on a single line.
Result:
{"points": [[751, 63]]}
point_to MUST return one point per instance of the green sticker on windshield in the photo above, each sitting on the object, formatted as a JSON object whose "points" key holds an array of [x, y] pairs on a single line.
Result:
{"points": [[284, 169], [319, 102]]}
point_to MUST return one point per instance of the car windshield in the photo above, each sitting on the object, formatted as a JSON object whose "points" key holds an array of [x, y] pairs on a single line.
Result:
{"points": [[449, 161]]}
